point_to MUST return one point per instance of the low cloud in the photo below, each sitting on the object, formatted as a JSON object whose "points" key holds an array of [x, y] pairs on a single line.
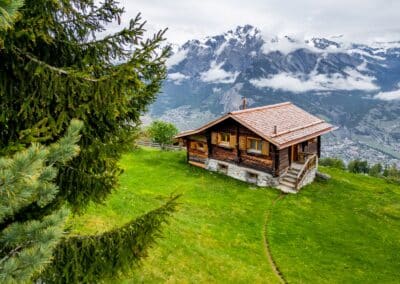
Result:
{"points": [[388, 96], [177, 77], [317, 82], [218, 75]]}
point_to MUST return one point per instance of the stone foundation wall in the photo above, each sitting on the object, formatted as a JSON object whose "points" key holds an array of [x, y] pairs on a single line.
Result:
{"points": [[242, 173]]}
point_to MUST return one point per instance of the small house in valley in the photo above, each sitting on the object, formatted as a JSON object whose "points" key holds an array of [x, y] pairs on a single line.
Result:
{"points": [[275, 145]]}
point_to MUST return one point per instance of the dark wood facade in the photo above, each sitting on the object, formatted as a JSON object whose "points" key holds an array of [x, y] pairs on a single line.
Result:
{"points": [[231, 142]]}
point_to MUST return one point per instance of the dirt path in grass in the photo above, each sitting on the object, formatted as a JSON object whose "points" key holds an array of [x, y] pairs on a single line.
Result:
{"points": [[271, 261]]}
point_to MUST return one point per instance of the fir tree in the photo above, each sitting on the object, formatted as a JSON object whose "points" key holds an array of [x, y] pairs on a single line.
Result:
{"points": [[54, 67], [25, 178], [8, 12]]}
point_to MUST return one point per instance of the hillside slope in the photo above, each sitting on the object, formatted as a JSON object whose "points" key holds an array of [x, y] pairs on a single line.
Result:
{"points": [[340, 231]]}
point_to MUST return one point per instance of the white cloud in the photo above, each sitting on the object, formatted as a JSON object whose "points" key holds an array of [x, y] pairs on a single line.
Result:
{"points": [[358, 20], [317, 82], [388, 96], [218, 75], [177, 58], [177, 77]]}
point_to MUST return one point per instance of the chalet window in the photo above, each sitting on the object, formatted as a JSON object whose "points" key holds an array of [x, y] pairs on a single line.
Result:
{"points": [[258, 146], [255, 145], [200, 146], [225, 138]]}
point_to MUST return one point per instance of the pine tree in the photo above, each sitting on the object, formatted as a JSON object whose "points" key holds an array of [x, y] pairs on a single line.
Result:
{"points": [[8, 12], [25, 178], [55, 67]]}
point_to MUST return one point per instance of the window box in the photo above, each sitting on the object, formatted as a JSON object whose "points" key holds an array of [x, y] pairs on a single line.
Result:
{"points": [[252, 151]]}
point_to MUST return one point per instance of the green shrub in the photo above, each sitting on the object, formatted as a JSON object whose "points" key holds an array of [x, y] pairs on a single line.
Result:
{"points": [[358, 167], [392, 173], [376, 170], [332, 162], [162, 132]]}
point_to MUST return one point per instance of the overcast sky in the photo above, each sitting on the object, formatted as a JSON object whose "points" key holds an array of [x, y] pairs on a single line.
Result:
{"points": [[357, 20]]}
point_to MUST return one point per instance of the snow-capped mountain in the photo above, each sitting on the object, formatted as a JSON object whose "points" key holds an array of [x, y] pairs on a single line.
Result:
{"points": [[355, 86]]}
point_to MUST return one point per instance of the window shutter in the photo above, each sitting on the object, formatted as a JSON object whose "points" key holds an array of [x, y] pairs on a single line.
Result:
{"points": [[205, 147], [214, 138], [232, 140], [192, 145], [265, 148], [242, 142], [248, 146]]}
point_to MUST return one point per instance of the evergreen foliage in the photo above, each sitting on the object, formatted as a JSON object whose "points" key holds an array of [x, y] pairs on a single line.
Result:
{"points": [[8, 12], [54, 68], [162, 132], [85, 259], [26, 178]]}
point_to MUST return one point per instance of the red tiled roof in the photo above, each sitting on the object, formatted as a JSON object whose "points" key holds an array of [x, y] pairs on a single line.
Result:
{"points": [[293, 124]]}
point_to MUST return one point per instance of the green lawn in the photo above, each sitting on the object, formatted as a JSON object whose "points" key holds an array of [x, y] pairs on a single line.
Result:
{"points": [[345, 230], [340, 231], [217, 234]]}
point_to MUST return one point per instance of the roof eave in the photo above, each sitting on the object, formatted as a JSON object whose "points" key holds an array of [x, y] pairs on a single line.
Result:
{"points": [[305, 138]]}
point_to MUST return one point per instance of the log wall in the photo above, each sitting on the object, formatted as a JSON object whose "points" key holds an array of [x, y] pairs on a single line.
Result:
{"points": [[275, 163]]}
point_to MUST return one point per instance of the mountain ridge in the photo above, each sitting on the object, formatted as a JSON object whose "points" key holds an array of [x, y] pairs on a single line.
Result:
{"points": [[354, 86]]}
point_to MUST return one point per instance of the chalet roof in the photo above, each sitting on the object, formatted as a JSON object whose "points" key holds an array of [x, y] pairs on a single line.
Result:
{"points": [[293, 124]]}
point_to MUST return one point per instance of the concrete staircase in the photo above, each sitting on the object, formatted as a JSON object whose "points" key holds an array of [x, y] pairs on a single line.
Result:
{"points": [[287, 182]]}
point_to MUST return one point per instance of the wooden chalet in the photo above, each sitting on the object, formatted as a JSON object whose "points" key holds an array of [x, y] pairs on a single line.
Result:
{"points": [[274, 145]]}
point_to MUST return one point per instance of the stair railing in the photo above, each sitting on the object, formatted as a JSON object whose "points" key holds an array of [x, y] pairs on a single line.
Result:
{"points": [[310, 163]]}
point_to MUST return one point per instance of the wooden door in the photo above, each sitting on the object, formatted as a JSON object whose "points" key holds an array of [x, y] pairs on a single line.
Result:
{"points": [[294, 152]]}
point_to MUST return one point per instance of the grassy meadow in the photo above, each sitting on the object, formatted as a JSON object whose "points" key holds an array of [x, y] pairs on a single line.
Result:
{"points": [[344, 230]]}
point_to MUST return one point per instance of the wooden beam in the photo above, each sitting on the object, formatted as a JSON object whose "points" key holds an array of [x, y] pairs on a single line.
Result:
{"points": [[319, 146], [197, 164]]}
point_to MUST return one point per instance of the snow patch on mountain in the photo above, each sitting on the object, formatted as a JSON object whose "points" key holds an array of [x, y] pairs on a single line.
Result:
{"points": [[218, 75], [388, 96], [177, 57], [221, 48], [364, 54], [286, 45], [317, 82]]}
